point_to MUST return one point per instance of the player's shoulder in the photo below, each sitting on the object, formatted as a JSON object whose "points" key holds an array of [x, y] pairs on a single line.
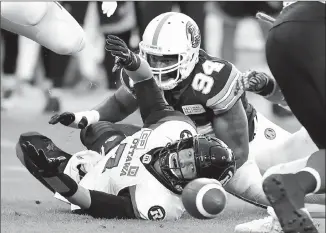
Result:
{"points": [[212, 66], [216, 81], [210, 75]]}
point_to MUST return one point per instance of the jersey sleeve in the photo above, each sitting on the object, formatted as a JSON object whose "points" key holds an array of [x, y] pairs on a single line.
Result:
{"points": [[152, 202], [223, 87]]}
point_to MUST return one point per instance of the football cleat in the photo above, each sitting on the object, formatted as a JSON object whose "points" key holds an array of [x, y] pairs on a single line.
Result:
{"points": [[287, 200]]}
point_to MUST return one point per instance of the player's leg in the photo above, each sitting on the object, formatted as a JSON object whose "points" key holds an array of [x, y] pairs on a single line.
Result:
{"points": [[298, 77], [47, 23], [104, 136], [265, 150], [273, 145], [302, 80], [40, 142]]}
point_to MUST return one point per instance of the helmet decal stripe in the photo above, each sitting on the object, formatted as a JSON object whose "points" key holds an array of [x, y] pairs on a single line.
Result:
{"points": [[159, 28]]}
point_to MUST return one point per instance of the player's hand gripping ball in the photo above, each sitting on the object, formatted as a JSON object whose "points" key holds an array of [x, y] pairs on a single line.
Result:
{"points": [[204, 198]]}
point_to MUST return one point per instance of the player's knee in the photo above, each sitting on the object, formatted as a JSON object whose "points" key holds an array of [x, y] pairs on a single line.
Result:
{"points": [[273, 170], [24, 13], [101, 134], [91, 133]]}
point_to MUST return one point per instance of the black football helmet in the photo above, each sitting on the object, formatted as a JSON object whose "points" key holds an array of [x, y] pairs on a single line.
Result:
{"points": [[213, 159]]}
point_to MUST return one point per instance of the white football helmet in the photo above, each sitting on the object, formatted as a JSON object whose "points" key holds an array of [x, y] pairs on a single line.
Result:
{"points": [[171, 35]]}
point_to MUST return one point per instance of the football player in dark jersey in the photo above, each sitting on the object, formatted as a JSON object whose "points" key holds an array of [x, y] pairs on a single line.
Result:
{"points": [[295, 51]]}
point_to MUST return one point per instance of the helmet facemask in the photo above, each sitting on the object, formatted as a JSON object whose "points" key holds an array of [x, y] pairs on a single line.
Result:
{"points": [[171, 166], [175, 72]]}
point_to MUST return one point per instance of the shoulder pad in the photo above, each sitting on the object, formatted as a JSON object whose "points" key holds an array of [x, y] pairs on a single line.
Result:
{"points": [[217, 83]]}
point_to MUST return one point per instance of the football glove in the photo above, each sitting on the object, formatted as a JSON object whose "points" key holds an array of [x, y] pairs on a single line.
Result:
{"points": [[124, 57], [78, 120], [256, 81], [47, 167]]}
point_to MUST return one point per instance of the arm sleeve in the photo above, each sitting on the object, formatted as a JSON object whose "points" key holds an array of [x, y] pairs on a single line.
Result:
{"points": [[117, 107], [104, 205], [150, 98], [229, 92]]}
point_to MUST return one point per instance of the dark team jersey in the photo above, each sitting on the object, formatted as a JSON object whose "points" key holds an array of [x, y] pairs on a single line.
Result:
{"points": [[305, 11], [212, 88]]}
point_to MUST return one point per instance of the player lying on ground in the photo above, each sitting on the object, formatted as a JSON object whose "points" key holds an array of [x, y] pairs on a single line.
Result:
{"points": [[139, 176], [47, 23], [207, 89]]}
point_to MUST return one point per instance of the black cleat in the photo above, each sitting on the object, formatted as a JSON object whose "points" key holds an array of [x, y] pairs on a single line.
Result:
{"points": [[287, 199]]}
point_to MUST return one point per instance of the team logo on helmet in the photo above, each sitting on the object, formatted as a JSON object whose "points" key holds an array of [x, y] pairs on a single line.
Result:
{"points": [[194, 33]]}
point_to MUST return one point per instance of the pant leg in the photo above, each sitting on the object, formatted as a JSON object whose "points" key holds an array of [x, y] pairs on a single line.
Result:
{"points": [[55, 65], [11, 52], [295, 53]]}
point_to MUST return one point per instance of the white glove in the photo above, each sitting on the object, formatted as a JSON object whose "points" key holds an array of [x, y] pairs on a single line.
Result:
{"points": [[109, 8]]}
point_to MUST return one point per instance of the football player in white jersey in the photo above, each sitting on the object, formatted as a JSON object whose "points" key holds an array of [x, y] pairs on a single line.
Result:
{"points": [[139, 176]]}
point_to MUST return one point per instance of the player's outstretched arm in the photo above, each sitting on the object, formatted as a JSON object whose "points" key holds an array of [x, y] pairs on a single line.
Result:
{"points": [[95, 203], [113, 109], [232, 128], [149, 96], [136, 68], [264, 85], [102, 205]]}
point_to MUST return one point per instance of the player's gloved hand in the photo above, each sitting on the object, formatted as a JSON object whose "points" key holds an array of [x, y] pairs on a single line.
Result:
{"points": [[257, 82], [109, 8], [47, 167], [78, 120], [124, 56]]}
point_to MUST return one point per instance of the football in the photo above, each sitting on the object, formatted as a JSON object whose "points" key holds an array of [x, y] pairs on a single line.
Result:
{"points": [[204, 198]]}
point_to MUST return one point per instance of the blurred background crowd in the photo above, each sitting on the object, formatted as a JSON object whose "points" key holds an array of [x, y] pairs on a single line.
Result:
{"points": [[229, 31]]}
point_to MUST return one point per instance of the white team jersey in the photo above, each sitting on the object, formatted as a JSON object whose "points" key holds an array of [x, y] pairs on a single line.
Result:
{"points": [[122, 168]]}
